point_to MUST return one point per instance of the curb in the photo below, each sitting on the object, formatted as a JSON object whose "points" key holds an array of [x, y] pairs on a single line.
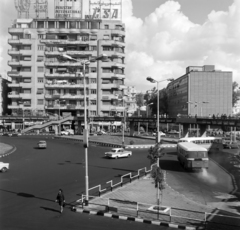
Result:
{"points": [[8, 152], [107, 144], [154, 222]]}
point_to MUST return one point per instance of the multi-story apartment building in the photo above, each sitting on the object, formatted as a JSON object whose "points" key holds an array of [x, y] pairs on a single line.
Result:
{"points": [[43, 81], [202, 91], [4, 91]]}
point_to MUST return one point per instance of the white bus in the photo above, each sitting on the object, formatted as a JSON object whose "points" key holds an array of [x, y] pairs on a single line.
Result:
{"points": [[206, 142], [192, 156]]}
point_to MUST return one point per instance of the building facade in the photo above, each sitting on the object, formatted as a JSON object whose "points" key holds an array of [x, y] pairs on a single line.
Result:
{"points": [[45, 82], [202, 91], [4, 92]]}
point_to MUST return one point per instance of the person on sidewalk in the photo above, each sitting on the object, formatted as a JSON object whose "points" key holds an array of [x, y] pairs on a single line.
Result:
{"points": [[60, 199]]}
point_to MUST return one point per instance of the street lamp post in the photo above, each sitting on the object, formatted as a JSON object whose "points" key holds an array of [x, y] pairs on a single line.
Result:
{"points": [[154, 81], [85, 132]]}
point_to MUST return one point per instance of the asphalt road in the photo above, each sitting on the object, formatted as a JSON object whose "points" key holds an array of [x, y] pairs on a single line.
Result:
{"points": [[29, 188]]}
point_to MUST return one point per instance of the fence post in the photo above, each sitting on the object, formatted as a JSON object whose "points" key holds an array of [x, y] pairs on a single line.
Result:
{"points": [[82, 201], [170, 215]]}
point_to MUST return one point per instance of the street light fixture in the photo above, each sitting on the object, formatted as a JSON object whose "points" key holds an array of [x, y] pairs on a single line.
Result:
{"points": [[155, 81], [102, 57]]}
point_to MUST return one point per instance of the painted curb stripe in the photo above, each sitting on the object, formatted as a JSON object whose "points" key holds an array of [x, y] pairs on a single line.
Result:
{"points": [[114, 216]]}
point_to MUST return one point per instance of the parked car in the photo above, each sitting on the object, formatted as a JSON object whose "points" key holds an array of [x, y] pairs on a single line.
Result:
{"points": [[173, 132], [101, 132], [67, 132], [162, 134], [4, 166], [117, 153], [42, 144]]}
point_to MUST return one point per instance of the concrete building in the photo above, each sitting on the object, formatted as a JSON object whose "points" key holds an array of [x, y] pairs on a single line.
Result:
{"points": [[4, 92], [201, 91], [43, 82]]}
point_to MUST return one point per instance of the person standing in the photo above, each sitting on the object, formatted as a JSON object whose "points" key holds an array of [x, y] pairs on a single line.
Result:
{"points": [[60, 199]]}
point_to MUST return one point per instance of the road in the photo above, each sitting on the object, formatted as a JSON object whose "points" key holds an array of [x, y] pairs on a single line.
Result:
{"points": [[29, 188]]}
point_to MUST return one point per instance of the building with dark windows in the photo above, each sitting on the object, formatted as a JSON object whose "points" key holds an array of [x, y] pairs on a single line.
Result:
{"points": [[44, 82], [202, 91]]}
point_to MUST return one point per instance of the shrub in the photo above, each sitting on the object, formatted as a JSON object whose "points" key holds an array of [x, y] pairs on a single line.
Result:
{"points": [[131, 142]]}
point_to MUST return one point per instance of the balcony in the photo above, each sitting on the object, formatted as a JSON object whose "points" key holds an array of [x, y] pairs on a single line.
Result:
{"points": [[13, 42], [13, 85], [25, 95], [15, 30], [14, 107], [14, 63], [108, 97], [110, 86], [13, 52], [63, 63], [71, 86], [13, 95], [82, 52], [120, 32], [65, 96], [52, 53], [63, 75], [13, 74], [25, 52], [63, 42], [113, 64], [27, 85], [118, 43], [118, 76]]}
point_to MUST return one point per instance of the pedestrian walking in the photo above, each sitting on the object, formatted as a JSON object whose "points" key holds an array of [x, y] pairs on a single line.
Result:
{"points": [[60, 199]]}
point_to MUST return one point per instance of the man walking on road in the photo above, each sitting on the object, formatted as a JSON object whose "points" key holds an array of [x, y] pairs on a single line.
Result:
{"points": [[60, 199]]}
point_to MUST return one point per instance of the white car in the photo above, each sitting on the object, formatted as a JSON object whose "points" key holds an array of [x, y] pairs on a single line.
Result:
{"points": [[4, 166], [67, 132], [162, 134], [117, 153]]}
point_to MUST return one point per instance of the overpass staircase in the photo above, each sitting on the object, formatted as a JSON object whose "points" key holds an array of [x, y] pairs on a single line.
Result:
{"points": [[47, 124]]}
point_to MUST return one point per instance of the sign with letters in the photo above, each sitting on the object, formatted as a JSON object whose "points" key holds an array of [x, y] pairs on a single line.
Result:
{"points": [[68, 9], [105, 9]]}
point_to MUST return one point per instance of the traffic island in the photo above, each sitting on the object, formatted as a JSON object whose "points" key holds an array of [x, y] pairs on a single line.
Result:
{"points": [[6, 149]]}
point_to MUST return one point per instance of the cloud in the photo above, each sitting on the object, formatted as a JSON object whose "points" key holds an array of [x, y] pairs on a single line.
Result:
{"points": [[166, 42]]}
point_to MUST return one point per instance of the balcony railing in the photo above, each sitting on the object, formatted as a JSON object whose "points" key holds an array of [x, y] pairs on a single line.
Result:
{"points": [[56, 63], [64, 85]]}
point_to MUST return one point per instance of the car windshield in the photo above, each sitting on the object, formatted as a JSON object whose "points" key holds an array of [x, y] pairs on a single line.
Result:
{"points": [[114, 150], [42, 142]]}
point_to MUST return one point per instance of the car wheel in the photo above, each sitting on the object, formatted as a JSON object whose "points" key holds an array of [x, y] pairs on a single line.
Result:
{"points": [[129, 155], [116, 157], [4, 169]]}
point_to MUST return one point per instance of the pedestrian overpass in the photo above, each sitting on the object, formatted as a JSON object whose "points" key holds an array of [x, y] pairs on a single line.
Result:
{"points": [[202, 123]]}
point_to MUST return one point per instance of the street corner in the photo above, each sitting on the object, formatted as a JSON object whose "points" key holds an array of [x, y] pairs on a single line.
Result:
{"points": [[6, 149]]}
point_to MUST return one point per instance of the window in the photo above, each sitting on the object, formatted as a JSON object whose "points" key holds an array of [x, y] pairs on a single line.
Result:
{"points": [[93, 80], [40, 79], [40, 101], [40, 24], [106, 37], [73, 25], [93, 69], [40, 91], [93, 91], [93, 113], [51, 25], [107, 70], [93, 48], [40, 47], [27, 80], [93, 37], [107, 48], [40, 69], [40, 58], [27, 36], [26, 58], [106, 27], [93, 102], [27, 91], [41, 36], [62, 24], [26, 47]]}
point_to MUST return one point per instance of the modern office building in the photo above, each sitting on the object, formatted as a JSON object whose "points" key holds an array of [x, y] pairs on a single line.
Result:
{"points": [[45, 82], [202, 91]]}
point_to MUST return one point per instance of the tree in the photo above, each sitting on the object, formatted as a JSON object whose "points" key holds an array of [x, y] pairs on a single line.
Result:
{"points": [[235, 93], [140, 99], [157, 173]]}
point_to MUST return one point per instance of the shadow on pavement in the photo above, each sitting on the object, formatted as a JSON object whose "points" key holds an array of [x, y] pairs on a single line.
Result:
{"points": [[50, 209]]}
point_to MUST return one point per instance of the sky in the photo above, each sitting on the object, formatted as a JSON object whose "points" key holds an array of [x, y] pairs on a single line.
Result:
{"points": [[164, 37]]}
